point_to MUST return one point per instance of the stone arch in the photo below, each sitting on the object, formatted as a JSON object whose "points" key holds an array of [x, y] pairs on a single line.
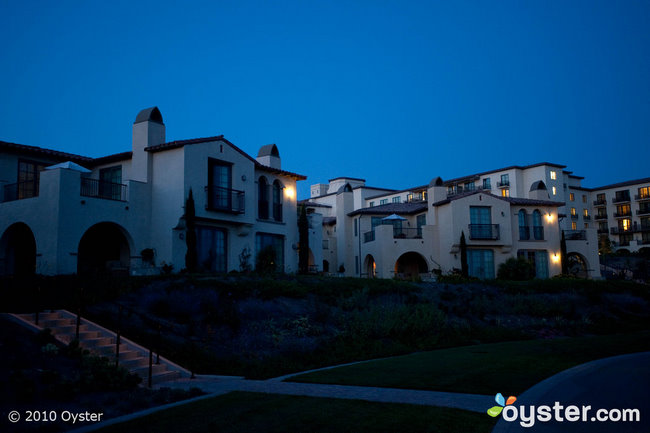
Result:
{"points": [[577, 265], [18, 250], [104, 248], [410, 265], [370, 266]]}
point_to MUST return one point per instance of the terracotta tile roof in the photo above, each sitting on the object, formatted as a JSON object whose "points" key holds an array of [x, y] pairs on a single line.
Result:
{"points": [[622, 184], [512, 167], [180, 143], [391, 208], [40, 151], [517, 201], [313, 204], [416, 188]]}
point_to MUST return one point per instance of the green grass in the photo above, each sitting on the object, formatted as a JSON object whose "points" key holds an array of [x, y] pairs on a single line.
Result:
{"points": [[253, 412], [510, 367]]}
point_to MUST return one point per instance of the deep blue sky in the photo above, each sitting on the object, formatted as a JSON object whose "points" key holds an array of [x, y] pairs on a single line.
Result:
{"points": [[394, 92]]}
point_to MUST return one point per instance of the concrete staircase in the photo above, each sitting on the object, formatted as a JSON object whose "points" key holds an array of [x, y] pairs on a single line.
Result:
{"points": [[101, 341]]}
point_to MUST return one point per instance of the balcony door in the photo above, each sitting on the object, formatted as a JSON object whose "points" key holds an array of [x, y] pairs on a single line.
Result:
{"points": [[481, 222], [220, 181]]}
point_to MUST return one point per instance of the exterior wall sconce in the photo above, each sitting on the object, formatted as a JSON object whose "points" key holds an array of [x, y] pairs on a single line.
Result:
{"points": [[556, 258], [289, 192], [549, 217]]}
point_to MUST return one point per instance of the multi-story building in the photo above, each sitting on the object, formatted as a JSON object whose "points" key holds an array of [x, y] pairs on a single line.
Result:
{"points": [[620, 212], [510, 212], [63, 213]]}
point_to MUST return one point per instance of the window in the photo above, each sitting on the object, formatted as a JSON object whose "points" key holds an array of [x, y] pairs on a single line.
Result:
{"points": [[356, 229], [383, 201], [524, 230], [28, 178], [219, 185], [623, 210], [505, 180], [272, 242], [553, 175], [574, 212], [277, 201], [505, 192], [602, 227], [586, 225], [469, 186], [211, 249], [624, 225], [481, 263], [481, 223], [396, 199], [585, 213], [572, 197], [584, 198], [409, 197], [644, 192], [486, 183], [539, 260], [420, 220], [538, 228], [574, 226], [262, 198], [375, 221], [622, 196], [372, 204], [110, 183], [600, 198], [554, 190]]}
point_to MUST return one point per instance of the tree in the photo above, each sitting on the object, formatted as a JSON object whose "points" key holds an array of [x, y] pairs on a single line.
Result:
{"points": [[190, 235], [516, 269], [604, 245], [303, 241], [464, 266], [563, 256]]}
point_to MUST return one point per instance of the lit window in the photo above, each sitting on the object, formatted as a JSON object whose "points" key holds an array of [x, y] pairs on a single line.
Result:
{"points": [[553, 175], [554, 190], [574, 226], [625, 224], [573, 211], [505, 192], [586, 225], [644, 192], [572, 197], [585, 212], [584, 198]]}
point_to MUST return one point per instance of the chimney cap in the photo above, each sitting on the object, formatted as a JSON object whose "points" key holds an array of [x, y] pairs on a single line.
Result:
{"points": [[151, 114]]}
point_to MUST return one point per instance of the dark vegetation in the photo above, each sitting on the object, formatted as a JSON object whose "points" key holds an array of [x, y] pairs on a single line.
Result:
{"points": [[38, 373], [268, 326]]}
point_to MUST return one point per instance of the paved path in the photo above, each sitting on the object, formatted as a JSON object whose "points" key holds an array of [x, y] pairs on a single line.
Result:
{"points": [[619, 382]]}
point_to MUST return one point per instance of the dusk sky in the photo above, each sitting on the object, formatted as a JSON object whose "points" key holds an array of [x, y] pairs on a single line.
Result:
{"points": [[393, 92]]}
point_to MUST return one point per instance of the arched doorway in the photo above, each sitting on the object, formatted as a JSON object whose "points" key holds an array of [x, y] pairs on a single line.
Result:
{"points": [[104, 248], [326, 266], [410, 265], [18, 250], [577, 265], [370, 266]]}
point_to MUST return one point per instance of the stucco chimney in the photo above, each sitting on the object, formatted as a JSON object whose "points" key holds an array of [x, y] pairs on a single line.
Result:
{"points": [[148, 130], [269, 156], [436, 190]]}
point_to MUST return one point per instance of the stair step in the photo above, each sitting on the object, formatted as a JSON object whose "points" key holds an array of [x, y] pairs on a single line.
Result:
{"points": [[134, 363], [164, 377], [91, 343], [55, 323], [31, 317], [144, 371], [109, 349]]}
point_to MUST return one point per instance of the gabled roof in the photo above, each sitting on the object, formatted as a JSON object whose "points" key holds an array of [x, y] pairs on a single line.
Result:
{"points": [[42, 152], [181, 143], [512, 167], [392, 208], [512, 200], [417, 188]]}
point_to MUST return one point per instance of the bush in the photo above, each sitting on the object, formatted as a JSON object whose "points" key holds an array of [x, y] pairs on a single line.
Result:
{"points": [[518, 269]]}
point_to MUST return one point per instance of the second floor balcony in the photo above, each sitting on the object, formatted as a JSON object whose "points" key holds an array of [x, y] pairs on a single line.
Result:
{"points": [[642, 197], [484, 232], [575, 235], [503, 184], [20, 190], [643, 211], [407, 233], [224, 199], [601, 202], [621, 199], [102, 189], [599, 216], [623, 214]]}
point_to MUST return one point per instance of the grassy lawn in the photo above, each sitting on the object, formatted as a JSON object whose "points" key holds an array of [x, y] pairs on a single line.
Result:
{"points": [[253, 412], [509, 368]]}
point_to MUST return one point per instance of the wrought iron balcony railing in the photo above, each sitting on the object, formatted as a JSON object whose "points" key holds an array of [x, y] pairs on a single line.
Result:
{"points": [[484, 231], [224, 199], [575, 235], [102, 189], [20, 190]]}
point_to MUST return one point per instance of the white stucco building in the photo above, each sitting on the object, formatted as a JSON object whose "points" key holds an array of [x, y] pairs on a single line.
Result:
{"points": [[63, 213], [509, 212]]}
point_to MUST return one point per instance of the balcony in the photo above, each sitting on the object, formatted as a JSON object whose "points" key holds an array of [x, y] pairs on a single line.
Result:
{"points": [[574, 216], [643, 211], [622, 199], [620, 231], [644, 228], [586, 217], [504, 184], [642, 197], [575, 235], [20, 190], [408, 233], [484, 232], [368, 236], [623, 214], [600, 217], [102, 189], [603, 231], [600, 202], [224, 199]]}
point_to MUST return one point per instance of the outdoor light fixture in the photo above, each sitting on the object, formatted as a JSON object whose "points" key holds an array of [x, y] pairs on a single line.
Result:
{"points": [[289, 192], [549, 217], [556, 257]]}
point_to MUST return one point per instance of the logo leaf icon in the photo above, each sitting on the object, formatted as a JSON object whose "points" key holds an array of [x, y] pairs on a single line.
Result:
{"points": [[500, 400], [494, 411], [511, 400]]}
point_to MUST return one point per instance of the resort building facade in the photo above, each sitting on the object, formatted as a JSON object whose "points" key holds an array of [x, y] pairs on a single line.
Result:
{"points": [[511, 212], [63, 213]]}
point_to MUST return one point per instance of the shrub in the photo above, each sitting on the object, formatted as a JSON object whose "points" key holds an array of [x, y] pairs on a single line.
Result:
{"points": [[518, 269]]}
